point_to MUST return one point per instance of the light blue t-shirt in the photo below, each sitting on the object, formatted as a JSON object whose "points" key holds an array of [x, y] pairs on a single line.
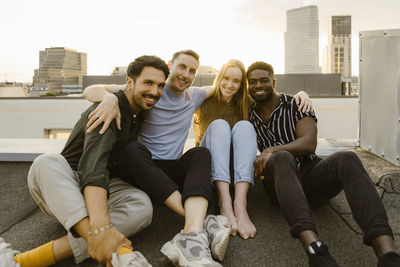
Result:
{"points": [[166, 126]]}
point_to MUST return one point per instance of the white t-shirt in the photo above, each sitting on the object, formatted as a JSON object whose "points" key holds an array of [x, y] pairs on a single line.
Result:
{"points": [[165, 127]]}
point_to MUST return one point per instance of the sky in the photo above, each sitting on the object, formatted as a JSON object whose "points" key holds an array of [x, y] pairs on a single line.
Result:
{"points": [[113, 33]]}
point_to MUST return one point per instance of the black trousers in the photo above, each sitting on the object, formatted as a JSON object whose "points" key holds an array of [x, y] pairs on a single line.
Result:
{"points": [[190, 174], [318, 181]]}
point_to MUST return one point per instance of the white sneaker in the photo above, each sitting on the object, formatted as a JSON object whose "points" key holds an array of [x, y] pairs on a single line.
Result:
{"points": [[7, 255], [189, 250], [218, 230], [135, 259]]}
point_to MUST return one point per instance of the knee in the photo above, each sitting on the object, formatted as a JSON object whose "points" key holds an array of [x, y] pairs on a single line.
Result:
{"points": [[200, 153], [346, 158], [45, 160], [281, 161], [243, 130], [220, 126], [243, 126], [281, 158], [39, 165]]}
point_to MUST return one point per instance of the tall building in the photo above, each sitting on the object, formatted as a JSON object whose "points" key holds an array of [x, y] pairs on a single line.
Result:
{"points": [[59, 66], [339, 46], [302, 40]]}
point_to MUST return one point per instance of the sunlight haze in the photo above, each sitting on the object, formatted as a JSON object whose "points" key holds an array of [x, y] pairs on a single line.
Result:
{"points": [[113, 33]]}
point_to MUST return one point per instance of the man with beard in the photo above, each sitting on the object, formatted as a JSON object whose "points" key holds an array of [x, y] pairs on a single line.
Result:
{"points": [[294, 176], [78, 187], [156, 165]]}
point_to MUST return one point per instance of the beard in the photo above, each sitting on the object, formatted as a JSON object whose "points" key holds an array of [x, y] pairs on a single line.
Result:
{"points": [[265, 97]]}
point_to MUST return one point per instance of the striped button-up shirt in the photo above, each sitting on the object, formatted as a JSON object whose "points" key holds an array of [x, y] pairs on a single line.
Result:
{"points": [[281, 126]]}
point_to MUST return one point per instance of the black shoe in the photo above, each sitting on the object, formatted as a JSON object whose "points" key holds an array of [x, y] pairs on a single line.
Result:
{"points": [[318, 255], [390, 259]]}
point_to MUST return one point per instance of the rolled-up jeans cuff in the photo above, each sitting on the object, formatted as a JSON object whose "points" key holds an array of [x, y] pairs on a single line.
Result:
{"points": [[73, 219], [376, 232], [223, 179], [245, 179], [296, 230]]}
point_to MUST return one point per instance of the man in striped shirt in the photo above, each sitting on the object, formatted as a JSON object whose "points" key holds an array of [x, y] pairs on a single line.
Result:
{"points": [[293, 175]]}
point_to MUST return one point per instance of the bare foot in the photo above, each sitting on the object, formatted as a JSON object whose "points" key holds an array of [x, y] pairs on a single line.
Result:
{"points": [[227, 211], [245, 227]]}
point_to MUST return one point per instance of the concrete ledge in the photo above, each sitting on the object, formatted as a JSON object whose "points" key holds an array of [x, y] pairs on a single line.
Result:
{"points": [[19, 149], [25, 150], [18, 157]]}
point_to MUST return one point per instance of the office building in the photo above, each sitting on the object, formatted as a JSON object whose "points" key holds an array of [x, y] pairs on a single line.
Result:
{"points": [[339, 46], [302, 40], [59, 66]]}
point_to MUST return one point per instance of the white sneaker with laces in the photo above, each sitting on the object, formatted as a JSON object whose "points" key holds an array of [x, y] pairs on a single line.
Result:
{"points": [[189, 250], [218, 230], [7, 255]]}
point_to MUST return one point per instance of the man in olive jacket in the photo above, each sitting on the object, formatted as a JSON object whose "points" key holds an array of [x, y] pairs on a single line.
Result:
{"points": [[79, 186]]}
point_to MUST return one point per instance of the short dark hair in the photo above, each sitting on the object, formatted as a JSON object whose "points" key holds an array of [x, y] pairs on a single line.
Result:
{"points": [[135, 67], [260, 65], [188, 52]]}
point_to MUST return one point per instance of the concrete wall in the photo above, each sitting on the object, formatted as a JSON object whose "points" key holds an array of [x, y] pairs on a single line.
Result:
{"points": [[337, 117], [314, 84], [27, 117], [103, 79]]}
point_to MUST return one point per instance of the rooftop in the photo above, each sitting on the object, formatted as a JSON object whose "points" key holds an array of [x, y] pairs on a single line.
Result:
{"points": [[25, 226]]}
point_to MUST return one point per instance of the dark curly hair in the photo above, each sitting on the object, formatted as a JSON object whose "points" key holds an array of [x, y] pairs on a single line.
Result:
{"points": [[136, 66], [260, 65]]}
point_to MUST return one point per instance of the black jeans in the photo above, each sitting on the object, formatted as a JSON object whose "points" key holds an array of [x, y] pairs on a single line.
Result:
{"points": [[317, 182], [190, 174]]}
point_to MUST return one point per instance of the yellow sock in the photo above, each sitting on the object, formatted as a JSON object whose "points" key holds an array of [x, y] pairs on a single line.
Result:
{"points": [[38, 257], [124, 250]]}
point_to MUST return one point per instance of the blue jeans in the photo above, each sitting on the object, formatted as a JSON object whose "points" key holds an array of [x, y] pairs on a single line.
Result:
{"points": [[219, 139]]}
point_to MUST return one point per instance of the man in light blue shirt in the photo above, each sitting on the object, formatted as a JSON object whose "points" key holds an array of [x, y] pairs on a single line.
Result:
{"points": [[156, 165]]}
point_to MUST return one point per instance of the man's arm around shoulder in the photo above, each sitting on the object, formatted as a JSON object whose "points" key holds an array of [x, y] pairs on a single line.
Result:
{"points": [[97, 92]]}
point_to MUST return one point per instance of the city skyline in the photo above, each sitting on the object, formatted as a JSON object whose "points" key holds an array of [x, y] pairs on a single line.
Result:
{"points": [[113, 35]]}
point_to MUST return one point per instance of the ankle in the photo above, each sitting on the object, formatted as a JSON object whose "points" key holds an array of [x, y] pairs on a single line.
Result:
{"points": [[307, 237], [240, 204], [192, 228], [224, 201], [383, 245], [226, 206]]}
